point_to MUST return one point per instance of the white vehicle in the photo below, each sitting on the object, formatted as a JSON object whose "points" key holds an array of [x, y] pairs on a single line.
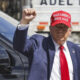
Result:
{"points": [[9, 19], [44, 10]]}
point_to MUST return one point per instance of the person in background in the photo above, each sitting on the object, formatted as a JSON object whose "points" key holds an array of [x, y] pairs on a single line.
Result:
{"points": [[52, 57]]}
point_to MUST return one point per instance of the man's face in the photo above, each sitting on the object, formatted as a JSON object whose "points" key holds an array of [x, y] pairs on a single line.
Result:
{"points": [[60, 33]]}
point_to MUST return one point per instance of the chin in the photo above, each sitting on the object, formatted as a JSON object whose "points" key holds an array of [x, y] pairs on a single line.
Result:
{"points": [[60, 42]]}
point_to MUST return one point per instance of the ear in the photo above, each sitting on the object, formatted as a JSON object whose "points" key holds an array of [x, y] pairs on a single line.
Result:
{"points": [[70, 30]]}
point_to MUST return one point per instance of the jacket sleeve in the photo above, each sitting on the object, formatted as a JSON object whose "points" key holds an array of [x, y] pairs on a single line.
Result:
{"points": [[20, 41]]}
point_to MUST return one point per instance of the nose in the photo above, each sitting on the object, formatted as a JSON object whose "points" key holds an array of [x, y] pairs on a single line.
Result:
{"points": [[60, 31]]}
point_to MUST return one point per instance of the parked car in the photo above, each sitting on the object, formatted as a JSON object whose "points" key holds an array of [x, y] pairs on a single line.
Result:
{"points": [[13, 65], [7, 29]]}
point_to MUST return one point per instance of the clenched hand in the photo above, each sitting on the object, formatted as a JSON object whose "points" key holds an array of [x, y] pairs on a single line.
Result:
{"points": [[28, 15]]}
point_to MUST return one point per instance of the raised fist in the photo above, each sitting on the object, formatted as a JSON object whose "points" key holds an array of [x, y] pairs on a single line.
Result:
{"points": [[28, 15]]}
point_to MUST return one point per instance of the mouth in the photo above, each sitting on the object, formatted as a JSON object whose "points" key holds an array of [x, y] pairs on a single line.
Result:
{"points": [[60, 38]]}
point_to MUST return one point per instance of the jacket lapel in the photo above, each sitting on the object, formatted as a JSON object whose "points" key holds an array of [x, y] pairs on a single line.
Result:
{"points": [[51, 50]]}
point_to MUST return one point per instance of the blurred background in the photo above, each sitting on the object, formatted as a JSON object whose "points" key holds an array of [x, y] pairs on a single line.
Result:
{"points": [[44, 8], [13, 7]]}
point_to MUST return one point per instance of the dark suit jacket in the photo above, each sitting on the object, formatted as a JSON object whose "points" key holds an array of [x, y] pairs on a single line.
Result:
{"points": [[36, 49]]}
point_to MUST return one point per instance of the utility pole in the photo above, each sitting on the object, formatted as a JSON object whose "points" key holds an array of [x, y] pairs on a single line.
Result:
{"points": [[28, 4], [21, 6], [25, 4]]}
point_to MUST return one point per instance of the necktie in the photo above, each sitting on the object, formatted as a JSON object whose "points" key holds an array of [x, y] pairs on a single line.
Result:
{"points": [[63, 65]]}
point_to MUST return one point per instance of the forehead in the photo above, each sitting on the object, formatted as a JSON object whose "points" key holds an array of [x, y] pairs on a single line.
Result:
{"points": [[61, 25]]}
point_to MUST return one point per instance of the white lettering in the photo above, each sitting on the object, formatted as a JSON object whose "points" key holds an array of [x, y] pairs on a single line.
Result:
{"points": [[60, 18], [57, 18], [60, 14], [64, 15], [65, 19]]}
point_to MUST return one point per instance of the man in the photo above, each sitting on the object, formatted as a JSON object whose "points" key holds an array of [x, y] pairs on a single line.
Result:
{"points": [[53, 57]]}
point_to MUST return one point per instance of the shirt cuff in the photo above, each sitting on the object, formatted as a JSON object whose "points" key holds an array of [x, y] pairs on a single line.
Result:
{"points": [[22, 26]]}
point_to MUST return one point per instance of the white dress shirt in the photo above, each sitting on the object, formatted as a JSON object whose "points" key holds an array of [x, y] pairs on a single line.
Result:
{"points": [[55, 73]]}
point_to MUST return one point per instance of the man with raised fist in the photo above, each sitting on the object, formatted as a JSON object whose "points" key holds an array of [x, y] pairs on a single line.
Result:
{"points": [[52, 57]]}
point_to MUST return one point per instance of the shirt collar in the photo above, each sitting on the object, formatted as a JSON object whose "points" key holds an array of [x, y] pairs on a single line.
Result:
{"points": [[65, 46], [57, 46]]}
